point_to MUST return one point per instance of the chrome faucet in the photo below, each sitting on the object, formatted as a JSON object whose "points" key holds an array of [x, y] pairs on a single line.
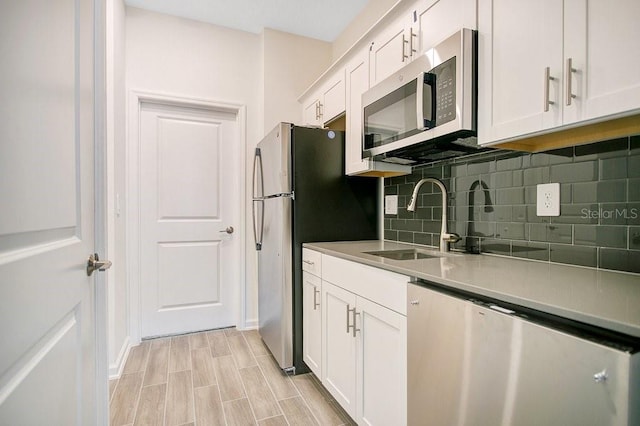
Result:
{"points": [[445, 236]]}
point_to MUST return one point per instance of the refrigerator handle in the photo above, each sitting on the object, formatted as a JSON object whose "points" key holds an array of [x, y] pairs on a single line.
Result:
{"points": [[257, 231], [257, 163]]}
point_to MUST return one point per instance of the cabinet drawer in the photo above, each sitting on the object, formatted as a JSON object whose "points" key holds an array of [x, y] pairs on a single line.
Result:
{"points": [[311, 261], [383, 287]]}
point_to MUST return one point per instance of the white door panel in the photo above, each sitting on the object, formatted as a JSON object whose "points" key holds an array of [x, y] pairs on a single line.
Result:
{"points": [[47, 302], [189, 197]]}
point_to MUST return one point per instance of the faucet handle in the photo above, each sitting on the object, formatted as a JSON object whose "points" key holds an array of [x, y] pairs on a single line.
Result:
{"points": [[451, 237]]}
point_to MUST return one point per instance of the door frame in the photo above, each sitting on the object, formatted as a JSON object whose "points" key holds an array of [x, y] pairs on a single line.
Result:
{"points": [[133, 237]]}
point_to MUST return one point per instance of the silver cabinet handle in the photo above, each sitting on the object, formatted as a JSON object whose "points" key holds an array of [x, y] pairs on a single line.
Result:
{"points": [[570, 70], [600, 377], [229, 230], [320, 113], [353, 316], [412, 49], [404, 42], [355, 330], [95, 264], [547, 79], [315, 299], [317, 110], [308, 262]]}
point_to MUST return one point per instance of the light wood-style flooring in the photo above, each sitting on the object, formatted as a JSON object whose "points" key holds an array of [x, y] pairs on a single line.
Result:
{"points": [[220, 377]]}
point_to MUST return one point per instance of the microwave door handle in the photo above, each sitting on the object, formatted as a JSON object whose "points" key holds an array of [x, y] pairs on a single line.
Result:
{"points": [[428, 79]]}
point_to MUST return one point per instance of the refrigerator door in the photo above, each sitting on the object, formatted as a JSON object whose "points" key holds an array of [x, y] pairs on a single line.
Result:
{"points": [[275, 155], [275, 281]]}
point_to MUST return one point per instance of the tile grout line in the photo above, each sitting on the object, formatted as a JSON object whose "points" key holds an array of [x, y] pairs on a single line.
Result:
{"points": [[244, 388], [224, 415], [275, 397], [146, 362], [305, 402], [193, 388]]}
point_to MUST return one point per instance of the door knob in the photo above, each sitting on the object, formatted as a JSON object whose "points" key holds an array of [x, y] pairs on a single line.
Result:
{"points": [[94, 263], [229, 230]]}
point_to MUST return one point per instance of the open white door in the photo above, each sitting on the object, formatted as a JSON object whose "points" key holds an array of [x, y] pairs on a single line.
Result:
{"points": [[48, 373]]}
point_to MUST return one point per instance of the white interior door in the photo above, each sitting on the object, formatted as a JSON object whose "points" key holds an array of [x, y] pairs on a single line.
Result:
{"points": [[189, 198], [47, 302]]}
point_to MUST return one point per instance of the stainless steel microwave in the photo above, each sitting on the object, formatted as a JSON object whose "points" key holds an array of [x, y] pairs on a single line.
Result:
{"points": [[427, 110]]}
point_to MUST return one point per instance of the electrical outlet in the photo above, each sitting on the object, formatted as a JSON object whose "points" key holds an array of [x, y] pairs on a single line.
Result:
{"points": [[548, 199], [391, 204]]}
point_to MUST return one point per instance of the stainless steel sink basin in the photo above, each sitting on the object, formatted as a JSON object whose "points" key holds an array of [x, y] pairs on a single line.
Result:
{"points": [[403, 254]]}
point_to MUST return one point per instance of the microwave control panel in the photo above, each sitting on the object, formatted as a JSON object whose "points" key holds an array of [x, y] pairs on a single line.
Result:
{"points": [[445, 92]]}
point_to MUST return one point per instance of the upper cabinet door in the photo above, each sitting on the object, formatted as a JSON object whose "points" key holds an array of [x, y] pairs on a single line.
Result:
{"points": [[311, 110], [441, 18], [333, 94], [519, 67], [601, 39], [391, 49]]}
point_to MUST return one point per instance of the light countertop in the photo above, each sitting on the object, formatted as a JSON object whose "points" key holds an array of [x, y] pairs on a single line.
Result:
{"points": [[602, 298]]}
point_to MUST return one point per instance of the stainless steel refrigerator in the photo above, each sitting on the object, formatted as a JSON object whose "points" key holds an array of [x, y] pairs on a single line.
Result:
{"points": [[300, 194]]}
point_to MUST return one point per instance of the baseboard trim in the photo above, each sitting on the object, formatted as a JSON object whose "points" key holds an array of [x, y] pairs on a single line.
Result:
{"points": [[115, 369]]}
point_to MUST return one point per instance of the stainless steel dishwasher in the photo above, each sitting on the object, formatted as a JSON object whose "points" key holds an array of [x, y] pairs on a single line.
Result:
{"points": [[474, 361]]}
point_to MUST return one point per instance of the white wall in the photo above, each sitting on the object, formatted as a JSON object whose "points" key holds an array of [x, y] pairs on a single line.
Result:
{"points": [[118, 328], [291, 64]]}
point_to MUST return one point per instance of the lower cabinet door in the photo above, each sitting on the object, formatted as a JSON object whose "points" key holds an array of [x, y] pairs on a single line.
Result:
{"points": [[381, 365], [339, 346], [311, 323]]}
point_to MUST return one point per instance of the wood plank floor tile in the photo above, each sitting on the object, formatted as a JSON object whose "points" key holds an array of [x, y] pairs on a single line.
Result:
{"points": [[218, 343], [238, 412], [151, 406], [202, 361], [297, 412], [262, 400], [209, 411], [157, 365], [240, 350], [280, 383], [255, 343], [125, 399], [274, 421], [179, 399], [231, 331], [228, 378], [320, 402], [160, 341], [137, 359], [198, 340], [179, 354]]}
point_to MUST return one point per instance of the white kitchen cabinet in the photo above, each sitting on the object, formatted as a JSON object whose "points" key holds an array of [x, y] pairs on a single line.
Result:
{"points": [[417, 30], [311, 322], [381, 365], [394, 47], [547, 64], [601, 39], [339, 346], [312, 310], [328, 102], [364, 340], [357, 82], [311, 108], [439, 19]]}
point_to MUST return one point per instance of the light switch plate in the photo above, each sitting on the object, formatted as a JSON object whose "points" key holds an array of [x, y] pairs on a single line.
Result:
{"points": [[391, 204], [548, 199]]}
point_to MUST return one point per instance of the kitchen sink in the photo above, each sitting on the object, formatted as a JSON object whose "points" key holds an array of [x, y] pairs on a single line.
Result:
{"points": [[403, 254]]}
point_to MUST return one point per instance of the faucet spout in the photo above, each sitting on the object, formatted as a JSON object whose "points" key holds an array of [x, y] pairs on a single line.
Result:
{"points": [[445, 236]]}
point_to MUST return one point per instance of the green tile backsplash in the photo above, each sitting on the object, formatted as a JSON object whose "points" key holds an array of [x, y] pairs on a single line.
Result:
{"points": [[493, 196]]}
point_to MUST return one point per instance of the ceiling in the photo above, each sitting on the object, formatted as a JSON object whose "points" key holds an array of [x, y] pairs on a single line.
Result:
{"points": [[319, 19]]}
